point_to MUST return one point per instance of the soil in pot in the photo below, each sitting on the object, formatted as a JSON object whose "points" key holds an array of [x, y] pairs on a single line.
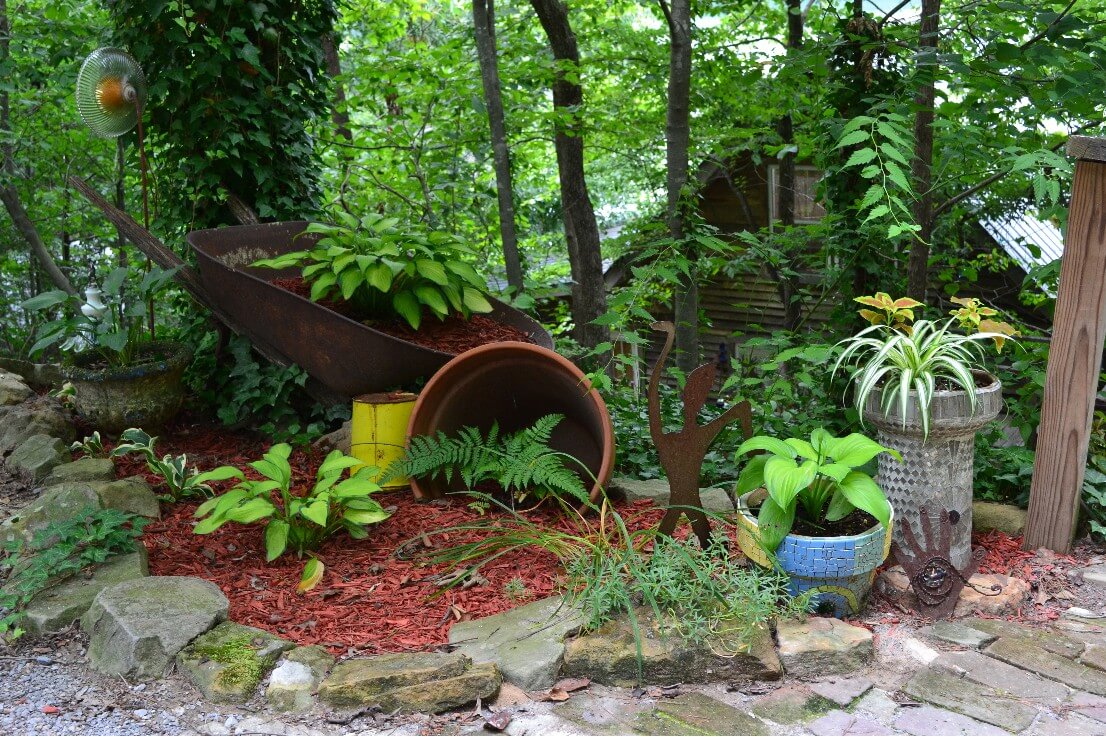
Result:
{"points": [[855, 523], [453, 335]]}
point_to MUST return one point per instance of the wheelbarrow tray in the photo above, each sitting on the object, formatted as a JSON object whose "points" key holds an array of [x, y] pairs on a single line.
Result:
{"points": [[343, 355]]}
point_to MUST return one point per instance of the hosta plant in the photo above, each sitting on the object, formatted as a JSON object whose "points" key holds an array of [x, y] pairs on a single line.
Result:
{"points": [[385, 270], [181, 480], [818, 480], [298, 523]]}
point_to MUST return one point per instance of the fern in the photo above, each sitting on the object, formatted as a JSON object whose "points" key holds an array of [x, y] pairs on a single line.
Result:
{"points": [[521, 463]]}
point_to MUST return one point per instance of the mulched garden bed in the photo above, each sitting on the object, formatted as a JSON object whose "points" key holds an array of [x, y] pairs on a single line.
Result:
{"points": [[453, 335], [369, 600]]}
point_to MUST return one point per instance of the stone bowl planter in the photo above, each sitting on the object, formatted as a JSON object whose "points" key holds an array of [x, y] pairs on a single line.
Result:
{"points": [[147, 394], [840, 569], [936, 472]]}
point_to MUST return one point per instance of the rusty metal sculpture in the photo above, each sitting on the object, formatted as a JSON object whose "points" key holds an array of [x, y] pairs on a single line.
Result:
{"points": [[935, 580], [682, 451]]}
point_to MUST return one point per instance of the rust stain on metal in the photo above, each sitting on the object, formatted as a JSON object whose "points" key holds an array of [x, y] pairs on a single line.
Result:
{"points": [[682, 451], [935, 580]]}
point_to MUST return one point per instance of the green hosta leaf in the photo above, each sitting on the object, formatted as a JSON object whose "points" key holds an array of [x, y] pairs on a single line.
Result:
{"points": [[276, 539], [475, 301], [336, 462], [312, 573], [803, 448], [380, 277], [772, 445], [855, 450], [45, 300], [222, 473], [355, 487], [784, 480], [431, 270], [466, 272], [349, 281], [366, 516], [320, 286], [408, 308], [839, 506], [251, 511], [432, 298], [317, 512], [774, 523], [752, 476], [863, 493]]}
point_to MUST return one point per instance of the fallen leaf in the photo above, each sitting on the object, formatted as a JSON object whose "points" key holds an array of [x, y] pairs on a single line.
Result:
{"points": [[511, 695], [497, 721], [558, 694], [572, 684], [50, 710]]}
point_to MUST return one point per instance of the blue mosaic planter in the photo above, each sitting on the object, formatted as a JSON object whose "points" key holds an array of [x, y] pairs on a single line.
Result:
{"points": [[840, 569]]}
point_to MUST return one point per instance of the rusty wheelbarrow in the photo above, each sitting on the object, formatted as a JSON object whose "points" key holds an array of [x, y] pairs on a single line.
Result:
{"points": [[346, 357]]}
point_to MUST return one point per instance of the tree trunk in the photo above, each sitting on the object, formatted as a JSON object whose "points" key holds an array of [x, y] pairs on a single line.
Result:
{"points": [[8, 193], [334, 69], [483, 20], [922, 168], [678, 134], [589, 299], [786, 181]]}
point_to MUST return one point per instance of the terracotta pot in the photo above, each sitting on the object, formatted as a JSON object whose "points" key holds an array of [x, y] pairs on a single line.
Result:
{"points": [[146, 394], [515, 384]]}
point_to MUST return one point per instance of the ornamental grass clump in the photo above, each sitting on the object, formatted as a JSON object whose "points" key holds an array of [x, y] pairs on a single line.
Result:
{"points": [[898, 356]]}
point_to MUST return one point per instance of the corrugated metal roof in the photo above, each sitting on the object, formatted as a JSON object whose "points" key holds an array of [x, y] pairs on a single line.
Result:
{"points": [[1018, 233]]}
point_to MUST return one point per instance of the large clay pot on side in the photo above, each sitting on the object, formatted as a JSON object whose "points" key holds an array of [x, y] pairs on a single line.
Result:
{"points": [[937, 472], [515, 384]]}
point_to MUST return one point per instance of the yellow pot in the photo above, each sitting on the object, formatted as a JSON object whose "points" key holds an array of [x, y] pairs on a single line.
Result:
{"points": [[378, 433]]}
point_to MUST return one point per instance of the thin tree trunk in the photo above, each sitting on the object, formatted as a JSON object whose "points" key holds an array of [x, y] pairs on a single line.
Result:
{"points": [[589, 299], [8, 193], [786, 183], [678, 134], [334, 68], [483, 20], [922, 168]]}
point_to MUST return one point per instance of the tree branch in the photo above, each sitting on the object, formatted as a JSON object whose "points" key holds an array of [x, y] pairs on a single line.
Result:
{"points": [[1049, 27]]}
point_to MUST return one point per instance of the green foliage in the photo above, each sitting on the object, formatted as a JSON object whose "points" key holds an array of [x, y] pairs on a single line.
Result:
{"points": [[520, 463], [301, 523], [181, 480], [59, 551], [233, 90], [700, 594], [387, 271], [90, 447], [803, 477], [114, 330], [885, 146], [1094, 479], [239, 655]]}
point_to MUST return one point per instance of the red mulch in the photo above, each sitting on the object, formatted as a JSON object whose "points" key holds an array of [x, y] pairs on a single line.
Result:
{"points": [[368, 600], [453, 335]]}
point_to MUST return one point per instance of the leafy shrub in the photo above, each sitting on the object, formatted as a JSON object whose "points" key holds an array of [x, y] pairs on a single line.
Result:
{"points": [[91, 447], [181, 480], [1094, 479], [385, 271], [59, 551], [520, 463], [301, 523]]}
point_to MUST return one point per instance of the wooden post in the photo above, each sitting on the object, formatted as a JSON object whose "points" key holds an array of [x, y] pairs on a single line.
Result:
{"points": [[1078, 333]]}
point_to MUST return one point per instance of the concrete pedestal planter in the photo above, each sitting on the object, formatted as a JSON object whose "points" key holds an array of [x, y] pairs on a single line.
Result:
{"points": [[147, 394], [840, 569], [935, 472]]}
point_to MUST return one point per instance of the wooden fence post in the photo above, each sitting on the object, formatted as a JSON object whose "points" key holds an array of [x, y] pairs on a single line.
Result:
{"points": [[1075, 358]]}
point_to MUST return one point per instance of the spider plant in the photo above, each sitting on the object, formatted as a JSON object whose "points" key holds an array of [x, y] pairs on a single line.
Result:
{"points": [[899, 363]]}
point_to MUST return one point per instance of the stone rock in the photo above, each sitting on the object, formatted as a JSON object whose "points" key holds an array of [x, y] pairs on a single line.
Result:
{"points": [[696, 713], [658, 492], [959, 634], [1006, 518], [38, 455], [85, 469], [927, 720], [895, 585], [12, 389], [878, 703], [34, 418], [341, 439], [790, 704], [842, 691], [1094, 656], [1004, 677], [136, 628], [596, 714], [942, 688], [229, 662], [527, 643], [295, 679], [1094, 575], [1071, 724], [1030, 656], [1089, 705], [418, 682], [56, 504], [63, 604], [1054, 642], [131, 494], [610, 656], [839, 722], [821, 646]]}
